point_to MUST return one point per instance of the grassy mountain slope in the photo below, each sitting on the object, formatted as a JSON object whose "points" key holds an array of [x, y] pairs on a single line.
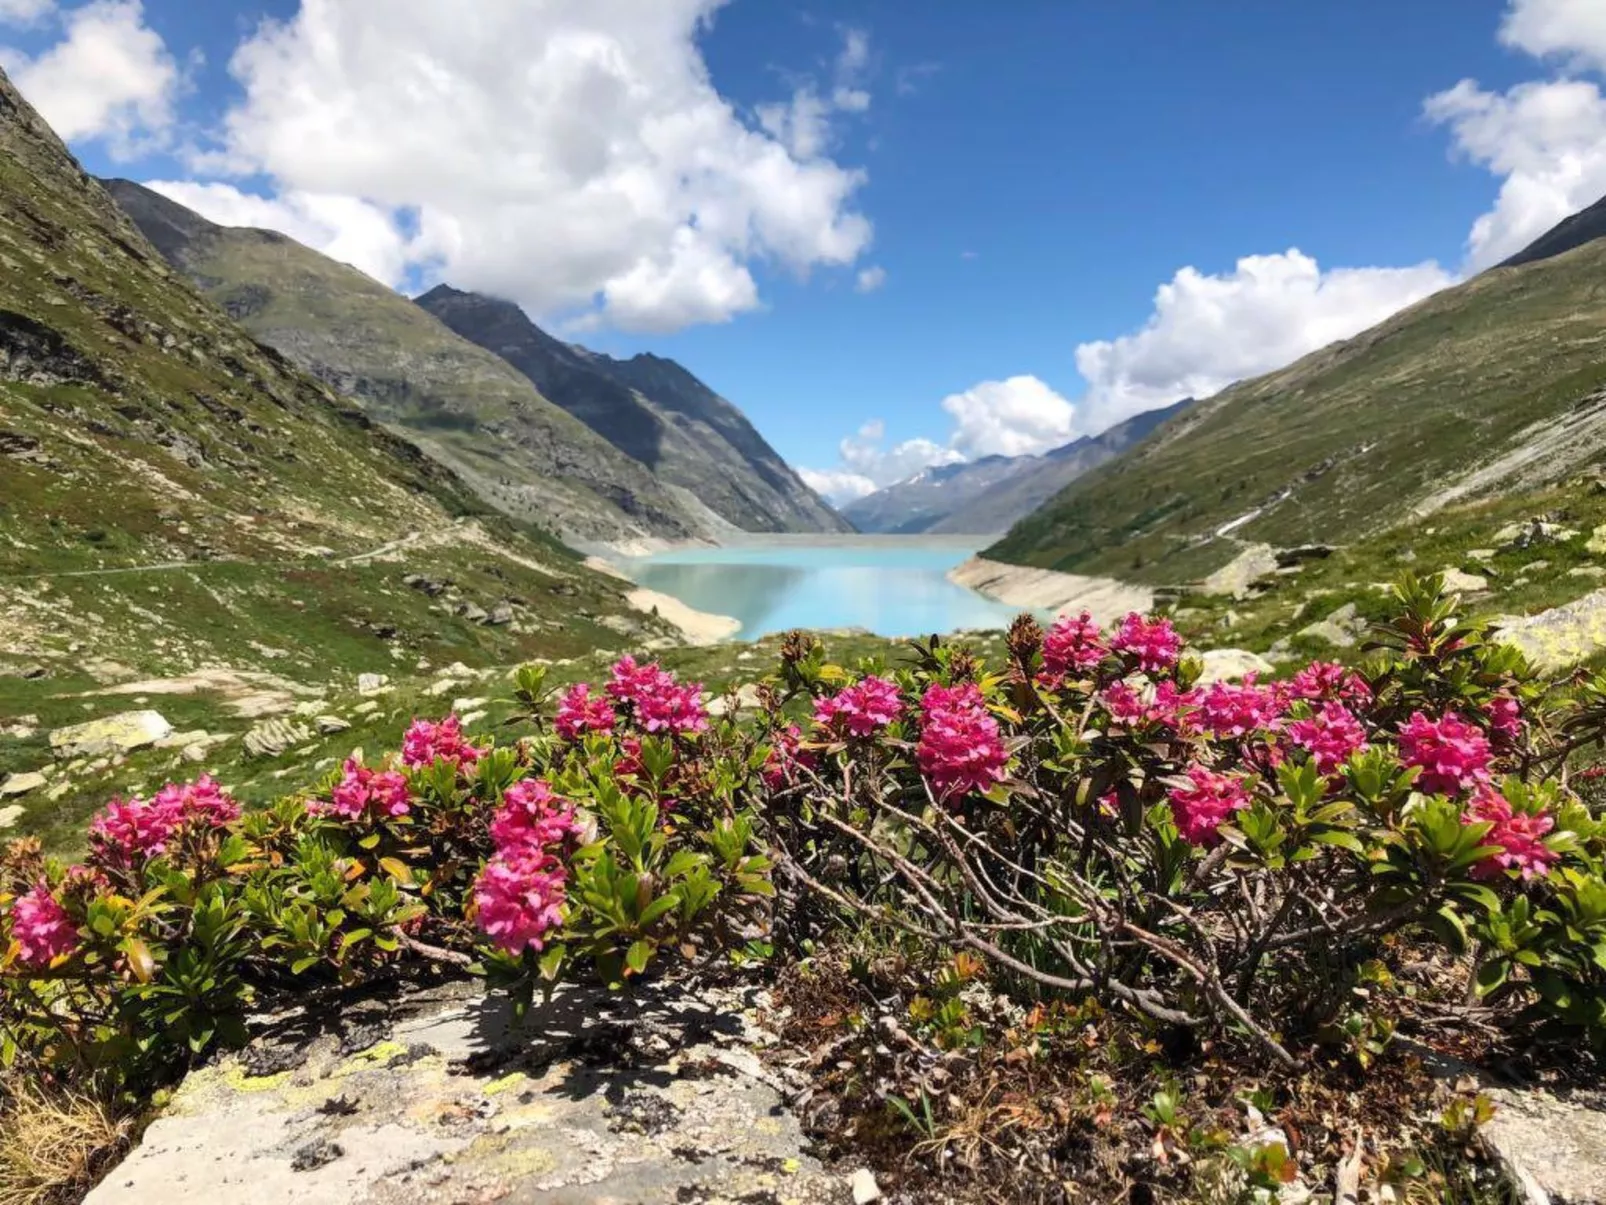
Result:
{"points": [[1456, 398], [173, 494], [463, 405], [651, 409]]}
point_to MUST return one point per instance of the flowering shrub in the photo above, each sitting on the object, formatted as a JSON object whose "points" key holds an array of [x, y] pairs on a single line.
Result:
{"points": [[534, 861], [1094, 821], [1087, 820]]}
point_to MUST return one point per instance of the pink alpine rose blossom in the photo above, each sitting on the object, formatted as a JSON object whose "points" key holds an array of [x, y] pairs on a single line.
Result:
{"points": [[41, 928], [579, 712], [519, 898], [362, 791], [861, 709], [1072, 645], [1153, 642], [1453, 754], [130, 831], [1520, 836], [673, 708], [425, 743], [532, 816], [202, 801], [961, 750], [1331, 735], [1505, 717], [1230, 710], [1323, 680], [1207, 802]]}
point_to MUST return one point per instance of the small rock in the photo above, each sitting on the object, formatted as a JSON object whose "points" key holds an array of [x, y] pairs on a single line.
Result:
{"points": [[500, 614], [1228, 665], [1289, 557], [331, 723], [466, 704], [367, 708], [1594, 571], [21, 784], [272, 738], [193, 753], [10, 815], [472, 612], [372, 684], [1467, 583], [865, 1189], [120, 733]]}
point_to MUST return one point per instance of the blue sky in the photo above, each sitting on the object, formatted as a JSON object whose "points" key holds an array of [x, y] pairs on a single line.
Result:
{"points": [[893, 233]]}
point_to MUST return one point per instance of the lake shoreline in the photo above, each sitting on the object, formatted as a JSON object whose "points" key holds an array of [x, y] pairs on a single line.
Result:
{"points": [[1104, 598]]}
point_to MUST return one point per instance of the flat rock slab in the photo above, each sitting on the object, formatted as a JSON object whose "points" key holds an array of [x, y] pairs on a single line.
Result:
{"points": [[1554, 1149], [119, 733], [591, 1101]]}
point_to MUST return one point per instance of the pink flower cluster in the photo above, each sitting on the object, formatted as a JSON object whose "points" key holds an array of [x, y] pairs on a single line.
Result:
{"points": [[1202, 806], [365, 792], [1520, 836], [658, 699], [1154, 643], [41, 928], [1505, 717], [1166, 704], [1453, 754], [425, 743], [1323, 680], [532, 815], [1072, 646], [961, 749], [1330, 735], [129, 831], [860, 710], [520, 893], [1232, 710], [579, 712]]}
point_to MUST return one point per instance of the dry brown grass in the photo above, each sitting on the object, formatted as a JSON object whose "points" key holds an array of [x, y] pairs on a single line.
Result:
{"points": [[54, 1144]]}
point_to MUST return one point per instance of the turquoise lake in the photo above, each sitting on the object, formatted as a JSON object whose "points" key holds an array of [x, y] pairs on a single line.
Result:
{"points": [[887, 586]]}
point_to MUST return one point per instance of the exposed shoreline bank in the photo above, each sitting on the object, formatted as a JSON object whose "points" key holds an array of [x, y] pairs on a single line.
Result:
{"points": [[1106, 599], [698, 627]]}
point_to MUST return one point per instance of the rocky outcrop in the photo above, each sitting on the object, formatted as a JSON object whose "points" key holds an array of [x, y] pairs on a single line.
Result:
{"points": [[439, 1097]]}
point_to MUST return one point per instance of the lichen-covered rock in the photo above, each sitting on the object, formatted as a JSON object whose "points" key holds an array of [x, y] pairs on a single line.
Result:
{"points": [[440, 1099], [121, 733], [1235, 577]]}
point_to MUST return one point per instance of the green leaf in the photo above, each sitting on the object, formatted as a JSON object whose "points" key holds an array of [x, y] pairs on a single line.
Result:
{"points": [[637, 956]]}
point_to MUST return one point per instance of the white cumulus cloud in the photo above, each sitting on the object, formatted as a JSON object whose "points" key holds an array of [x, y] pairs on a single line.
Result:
{"points": [[1014, 417], [346, 229], [1571, 30], [870, 279], [110, 77], [572, 155], [24, 12], [1546, 139], [837, 486], [1207, 331]]}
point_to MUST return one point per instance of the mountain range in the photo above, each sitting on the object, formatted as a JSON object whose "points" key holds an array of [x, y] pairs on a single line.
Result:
{"points": [[596, 451], [988, 495]]}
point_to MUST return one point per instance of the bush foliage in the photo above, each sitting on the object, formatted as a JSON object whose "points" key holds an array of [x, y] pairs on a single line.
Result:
{"points": [[1089, 820]]}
